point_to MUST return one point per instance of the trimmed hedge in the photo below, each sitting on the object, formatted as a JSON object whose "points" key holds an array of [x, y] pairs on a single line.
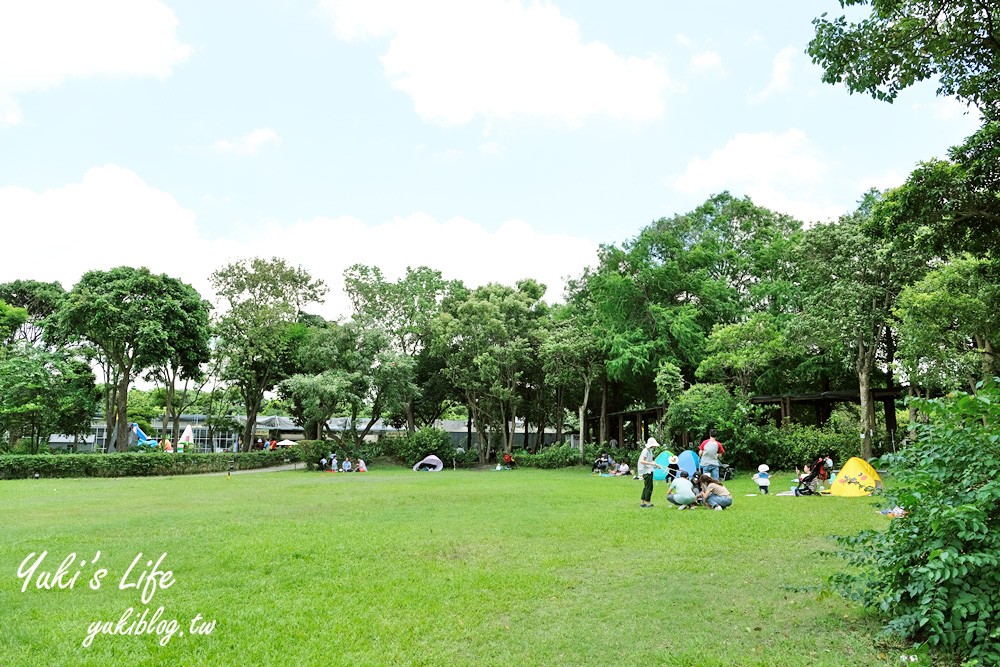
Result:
{"points": [[24, 466], [554, 456]]}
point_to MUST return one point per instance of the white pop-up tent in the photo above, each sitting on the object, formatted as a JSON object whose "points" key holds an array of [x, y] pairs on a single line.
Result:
{"points": [[431, 463]]}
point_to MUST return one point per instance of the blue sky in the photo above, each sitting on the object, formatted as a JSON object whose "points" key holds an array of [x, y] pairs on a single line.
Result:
{"points": [[490, 139]]}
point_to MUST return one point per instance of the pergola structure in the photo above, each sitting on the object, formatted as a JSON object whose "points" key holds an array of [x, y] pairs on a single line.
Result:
{"points": [[823, 403], [633, 426], [638, 423]]}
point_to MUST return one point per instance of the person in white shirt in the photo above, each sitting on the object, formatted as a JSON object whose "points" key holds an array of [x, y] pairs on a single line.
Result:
{"points": [[646, 465]]}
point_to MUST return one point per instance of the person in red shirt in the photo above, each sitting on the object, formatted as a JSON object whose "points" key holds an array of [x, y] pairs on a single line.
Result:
{"points": [[710, 451]]}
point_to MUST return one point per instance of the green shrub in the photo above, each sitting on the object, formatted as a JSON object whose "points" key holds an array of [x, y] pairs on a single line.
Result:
{"points": [[23, 466], [555, 456], [410, 448], [790, 446], [935, 573], [707, 406]]}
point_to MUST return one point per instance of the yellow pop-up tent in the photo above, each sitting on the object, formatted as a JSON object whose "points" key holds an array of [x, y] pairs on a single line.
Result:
{"points": [[856, 478]]}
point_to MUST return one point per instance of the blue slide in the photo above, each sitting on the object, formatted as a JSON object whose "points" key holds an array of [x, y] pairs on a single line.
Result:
{"points": [[143, 440]]}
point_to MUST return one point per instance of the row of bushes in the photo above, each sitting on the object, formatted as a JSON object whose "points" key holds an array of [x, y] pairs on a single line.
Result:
{"points": [[24, 466], [405, 449], [782, 448]]}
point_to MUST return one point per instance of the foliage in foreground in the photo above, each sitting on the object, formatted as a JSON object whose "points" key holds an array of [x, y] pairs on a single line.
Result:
{"points": [[935, 573]]}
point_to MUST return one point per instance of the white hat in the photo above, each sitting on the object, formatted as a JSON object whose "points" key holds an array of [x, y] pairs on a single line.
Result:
{"points": [[652, 442], [673, 460], [762, 468]]}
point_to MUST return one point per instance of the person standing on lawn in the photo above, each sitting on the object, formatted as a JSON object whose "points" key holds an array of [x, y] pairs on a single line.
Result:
{"points": [[710, 451], [645, 469]]}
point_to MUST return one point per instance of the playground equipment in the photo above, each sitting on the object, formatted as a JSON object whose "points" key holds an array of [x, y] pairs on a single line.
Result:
{"points": [[141, 439]]}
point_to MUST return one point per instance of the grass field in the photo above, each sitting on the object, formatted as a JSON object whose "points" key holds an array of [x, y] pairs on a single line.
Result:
{"points": [[525, 567]]}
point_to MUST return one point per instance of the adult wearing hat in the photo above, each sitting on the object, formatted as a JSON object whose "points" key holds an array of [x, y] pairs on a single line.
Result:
{"points": [[645, 469]]}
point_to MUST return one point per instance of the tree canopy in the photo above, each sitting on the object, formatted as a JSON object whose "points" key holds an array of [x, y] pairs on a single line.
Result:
{"points": [[901, 42]]}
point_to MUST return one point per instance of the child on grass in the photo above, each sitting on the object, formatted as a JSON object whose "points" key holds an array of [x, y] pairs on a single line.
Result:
{"points": [[762, 479]]}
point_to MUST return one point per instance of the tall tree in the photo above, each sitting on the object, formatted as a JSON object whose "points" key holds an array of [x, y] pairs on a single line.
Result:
{"points": [[187, 351], [658, 297], [486, 335], [12, 319], [42, 393], [403, 309], [949, 324], [129, 316], [850, 284], [260, 327], [571, 357], [949, 206], [40, 301], [900, 42]]}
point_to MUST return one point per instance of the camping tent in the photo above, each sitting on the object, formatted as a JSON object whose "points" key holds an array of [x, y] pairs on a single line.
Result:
{"points": [[286, 443], [856, 478], [431, 462], [664, 460], [688, 460]]}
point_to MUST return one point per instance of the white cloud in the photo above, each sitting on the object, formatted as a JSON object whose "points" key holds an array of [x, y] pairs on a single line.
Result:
{"points": [[780, 171], [706, 61], [250, 144], [44, 42], [113, 218], [500, 59], [491, 148], [781, 70], [951, 110]]}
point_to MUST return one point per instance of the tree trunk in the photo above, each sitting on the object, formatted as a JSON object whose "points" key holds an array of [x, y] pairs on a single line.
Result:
{"points": [[559, 415], [867, 410], [604, 413], [583, 411], [411, 424], [121, 411]]}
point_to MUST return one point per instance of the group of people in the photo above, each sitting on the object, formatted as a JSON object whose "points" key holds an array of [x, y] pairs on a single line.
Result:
{"points": [[683, 490], [604, 464], [346, 466]]}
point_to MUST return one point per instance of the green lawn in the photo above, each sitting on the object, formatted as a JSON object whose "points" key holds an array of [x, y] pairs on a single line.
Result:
{"points": [[524, 567]]}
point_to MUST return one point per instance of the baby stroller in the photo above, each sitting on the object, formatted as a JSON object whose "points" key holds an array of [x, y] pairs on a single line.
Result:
{"points": [[726, 472], [809, 483]]}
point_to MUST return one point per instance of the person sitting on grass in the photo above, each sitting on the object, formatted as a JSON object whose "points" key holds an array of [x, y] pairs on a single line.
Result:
{"points": [[361, 466], [714, 494], [681, 491], [348, 467], [508, 460], [622, 470], [601, 463]]}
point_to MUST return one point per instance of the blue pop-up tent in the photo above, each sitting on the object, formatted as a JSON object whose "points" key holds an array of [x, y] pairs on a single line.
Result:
{"points": [[688, 460], [660, 474]]}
